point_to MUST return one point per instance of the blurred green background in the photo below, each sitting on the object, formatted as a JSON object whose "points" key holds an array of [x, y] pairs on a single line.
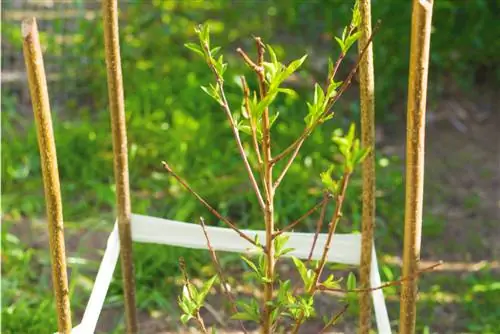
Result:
{"points": [[170, 118]]}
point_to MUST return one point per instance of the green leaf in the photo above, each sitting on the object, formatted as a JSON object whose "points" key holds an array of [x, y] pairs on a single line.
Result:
{"points": [[319, 96], [185, 318], [350, 41], [340, 42], [273, 119], [331, 283], [305, 274], [288, 91], [196, 48], [294, 65], [263, 104], [274, 59], [351, 281], [251, 264], [205, 289], [214, 51]]}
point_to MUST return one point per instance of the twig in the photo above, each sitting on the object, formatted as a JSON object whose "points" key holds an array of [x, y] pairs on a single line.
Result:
{"points": [[332, 226], [367, 102], [41, 108], [218, 267], [246, 93], [385, 285], [334, 319], [208, 206], [421, 24], [326, 199], [304, 216], [289, 163], [249, 61], [119, 132], [234, 128]]}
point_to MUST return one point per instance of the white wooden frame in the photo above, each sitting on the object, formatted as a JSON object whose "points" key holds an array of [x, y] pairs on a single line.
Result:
{"points": [[345, 249]]}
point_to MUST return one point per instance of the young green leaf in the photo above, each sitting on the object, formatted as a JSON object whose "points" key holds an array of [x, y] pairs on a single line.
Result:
{"points": [[185, 318], [251, 264], [351, 281], [205, 290], [196, 48], [350, 41]]}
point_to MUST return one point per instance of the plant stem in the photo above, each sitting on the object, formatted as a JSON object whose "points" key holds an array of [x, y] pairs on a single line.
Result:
{"points": [[415, 140], [304, 216], [222, 278], [208, 206], [255, 141], [367, 101], [331, 230], [119, 132], [41, 108], [319, 224], [334, 319], [385, 285], [269, 203]]}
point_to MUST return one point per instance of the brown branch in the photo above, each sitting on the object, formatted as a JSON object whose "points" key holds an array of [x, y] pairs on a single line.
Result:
{"points": [[288, 164], [421, 24], [246, 93], [326, 199], [332, 226], [334, 319], [304, 216], [41, 109], [208, 206], [367, 102], [249, 61], [385, 285], [218, 267]]}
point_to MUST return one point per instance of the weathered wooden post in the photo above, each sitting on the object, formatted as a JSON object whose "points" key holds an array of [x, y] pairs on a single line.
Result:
{"points": [[367, 96], [41, 109], [415, 140], [119, 132]]}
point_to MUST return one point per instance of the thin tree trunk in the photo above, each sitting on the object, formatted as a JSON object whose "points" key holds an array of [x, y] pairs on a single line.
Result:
{"points": [[46, 142], [415, 139], [119, 132], [367, 95]]}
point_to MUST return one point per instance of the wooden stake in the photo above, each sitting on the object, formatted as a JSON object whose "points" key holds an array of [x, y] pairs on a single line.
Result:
{"points": [[415, 140], [41, 109], [367, 96], [119, 132]]}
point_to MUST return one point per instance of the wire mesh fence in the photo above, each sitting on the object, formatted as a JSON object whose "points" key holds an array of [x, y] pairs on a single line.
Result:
{"points": [[59, 22]]}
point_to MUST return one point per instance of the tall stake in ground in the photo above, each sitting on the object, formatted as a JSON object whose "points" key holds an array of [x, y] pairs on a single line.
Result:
{"points": [[119, 132], [41, 109], [367, 91], [415, 139]]}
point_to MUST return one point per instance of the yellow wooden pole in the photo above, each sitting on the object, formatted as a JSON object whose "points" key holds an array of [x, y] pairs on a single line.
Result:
{"points": [[119, 132], [367, 96], [415, 140], [41, 109]]}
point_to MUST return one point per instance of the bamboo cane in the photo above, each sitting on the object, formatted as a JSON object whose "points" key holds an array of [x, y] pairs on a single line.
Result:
{"points": [[119, 132], [367, 95], [415, 140], [41, 109]]}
